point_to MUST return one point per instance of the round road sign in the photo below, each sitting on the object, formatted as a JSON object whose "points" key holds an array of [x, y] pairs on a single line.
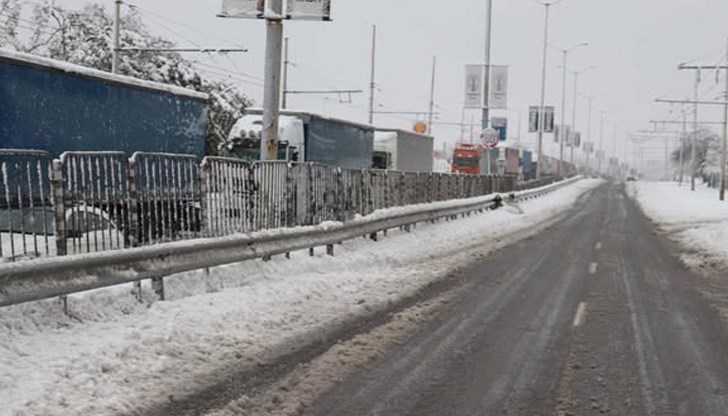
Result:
{"points": [[489, 138]]}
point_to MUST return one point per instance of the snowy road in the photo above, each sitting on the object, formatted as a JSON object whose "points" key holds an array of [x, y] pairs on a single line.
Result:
{"points": [[594, 315]]}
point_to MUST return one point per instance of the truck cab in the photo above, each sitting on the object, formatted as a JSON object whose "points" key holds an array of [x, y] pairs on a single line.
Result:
{"points": [[467, 159], [245, 137]]}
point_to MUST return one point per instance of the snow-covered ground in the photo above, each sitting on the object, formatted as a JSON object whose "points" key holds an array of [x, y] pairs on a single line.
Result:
{"points": [[114, 355], [697, 220]]}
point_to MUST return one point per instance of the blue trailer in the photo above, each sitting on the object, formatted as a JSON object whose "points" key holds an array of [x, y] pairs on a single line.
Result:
{"points": [[55, 106]]}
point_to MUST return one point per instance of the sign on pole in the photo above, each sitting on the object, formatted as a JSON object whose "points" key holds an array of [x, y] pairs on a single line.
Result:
{"points": [[473, 86], [309, 10], [562, 131], [245, 9], [294, 9], [489, 138], [549, 113], [533, 119], [499, 87], [500, 124]]}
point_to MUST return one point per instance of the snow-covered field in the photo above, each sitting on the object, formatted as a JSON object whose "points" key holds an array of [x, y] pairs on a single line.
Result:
{"points": [[114, 355], [697, 220]]}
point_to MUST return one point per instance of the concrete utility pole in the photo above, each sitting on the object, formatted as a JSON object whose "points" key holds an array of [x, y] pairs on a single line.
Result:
{"points": [[372, 85], [432, 97], [693, 168], [682, 144], [725, 142], [485, 122], [117, 38], [286, 62], [272, 83]]}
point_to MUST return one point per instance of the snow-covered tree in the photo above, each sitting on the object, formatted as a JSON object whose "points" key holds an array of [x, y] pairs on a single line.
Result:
{"points": [[707, 152], [9, 21], [85, 37]]}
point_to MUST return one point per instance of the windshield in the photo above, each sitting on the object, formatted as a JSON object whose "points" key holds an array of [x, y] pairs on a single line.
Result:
{"points": [[467, 162]]}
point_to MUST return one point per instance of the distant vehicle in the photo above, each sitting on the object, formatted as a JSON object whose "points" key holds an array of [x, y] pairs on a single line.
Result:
{"points": [[57, 107], [631, 179], [305, 137], [469, 159], [403, 151]]}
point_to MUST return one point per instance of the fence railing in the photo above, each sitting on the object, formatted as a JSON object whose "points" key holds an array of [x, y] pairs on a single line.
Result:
{"points": [[26, 213], [99, 201], [63, 275]]}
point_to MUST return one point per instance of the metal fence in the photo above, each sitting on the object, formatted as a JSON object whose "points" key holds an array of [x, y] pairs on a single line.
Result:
{"points": [[97, 201], [26, 213]]}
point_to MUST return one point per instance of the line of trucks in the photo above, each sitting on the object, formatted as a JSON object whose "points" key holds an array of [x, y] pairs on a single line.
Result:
{"points": [[473, 159], [54, 106]]}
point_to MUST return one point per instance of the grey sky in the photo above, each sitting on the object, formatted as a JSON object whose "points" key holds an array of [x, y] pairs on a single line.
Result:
{"points": [[636, 45]]}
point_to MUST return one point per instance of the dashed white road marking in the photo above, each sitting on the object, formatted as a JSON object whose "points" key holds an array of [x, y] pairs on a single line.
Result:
{"points": [[592, 268], [580, 312], [599, 246]]}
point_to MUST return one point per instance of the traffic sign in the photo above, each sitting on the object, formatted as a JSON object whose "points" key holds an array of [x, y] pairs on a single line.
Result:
{"points": [[489, 138]]}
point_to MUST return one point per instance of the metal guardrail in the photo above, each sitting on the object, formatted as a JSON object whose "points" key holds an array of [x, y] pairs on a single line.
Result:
{"points": [[51, 277]]}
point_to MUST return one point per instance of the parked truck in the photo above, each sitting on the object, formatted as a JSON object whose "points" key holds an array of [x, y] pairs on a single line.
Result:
{"points": [[305, 137], [404, 151], [55, 106]]}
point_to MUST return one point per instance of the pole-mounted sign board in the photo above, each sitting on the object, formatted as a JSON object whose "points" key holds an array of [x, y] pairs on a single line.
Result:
{"points": [[534, 118], [500, 124], [473, 86], [294, 9], [499, 87]]}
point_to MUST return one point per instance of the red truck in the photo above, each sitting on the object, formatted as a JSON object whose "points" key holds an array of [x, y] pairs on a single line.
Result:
{"points": [[469, 159]]}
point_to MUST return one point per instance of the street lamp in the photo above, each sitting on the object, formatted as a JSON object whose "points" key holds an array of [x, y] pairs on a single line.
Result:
{"points": [[541, 110], [562, 131], [573, 116], [591, 99]]}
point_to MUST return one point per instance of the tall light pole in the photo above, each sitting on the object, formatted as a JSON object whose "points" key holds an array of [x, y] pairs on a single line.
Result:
{"points": [[591, 99], [541, 110], [573, 115], [489, 21], [600, 156], [372, 84], [562, 130], [432, 97]]}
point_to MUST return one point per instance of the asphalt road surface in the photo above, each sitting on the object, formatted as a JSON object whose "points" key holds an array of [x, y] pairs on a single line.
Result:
{"points": [[593, 316]]}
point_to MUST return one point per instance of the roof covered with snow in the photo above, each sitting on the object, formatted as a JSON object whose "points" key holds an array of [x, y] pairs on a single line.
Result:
{"points": [[95, 73]]}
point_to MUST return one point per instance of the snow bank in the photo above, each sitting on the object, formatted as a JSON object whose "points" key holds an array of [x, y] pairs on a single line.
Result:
{"points": [[697, 220], [114, 355]]}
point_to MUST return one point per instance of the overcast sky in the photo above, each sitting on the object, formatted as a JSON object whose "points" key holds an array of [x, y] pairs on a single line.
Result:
{"points": [[636, 45]]}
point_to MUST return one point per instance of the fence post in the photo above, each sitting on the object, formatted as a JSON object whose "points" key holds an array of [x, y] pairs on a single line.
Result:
{"points": [[59, 206], [131, 236]]}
